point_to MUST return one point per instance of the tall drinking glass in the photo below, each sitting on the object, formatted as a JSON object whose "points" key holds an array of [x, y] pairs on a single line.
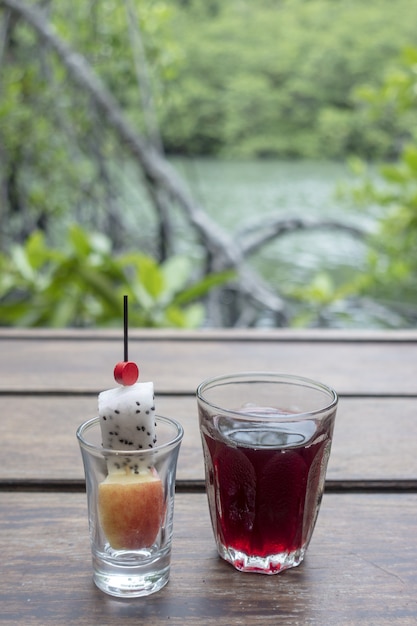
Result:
{"points": [[266, 439]]}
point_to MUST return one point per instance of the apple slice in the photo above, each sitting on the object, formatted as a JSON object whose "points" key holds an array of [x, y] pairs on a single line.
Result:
{"points": [[131, 508]]}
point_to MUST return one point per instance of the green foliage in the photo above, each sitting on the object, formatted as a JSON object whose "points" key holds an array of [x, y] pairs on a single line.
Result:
{"points": [[57, 156], [237, 79], [392, 265], [82, 284], [278, 79], [321, 300]]}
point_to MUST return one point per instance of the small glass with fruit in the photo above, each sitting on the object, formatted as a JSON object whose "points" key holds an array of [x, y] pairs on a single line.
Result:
{"points": [[130, 457], [266, 439]]}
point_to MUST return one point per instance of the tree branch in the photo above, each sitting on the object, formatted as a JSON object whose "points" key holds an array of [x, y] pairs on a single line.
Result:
{"points": [[159, 197], [223, 248], [254, 236]]}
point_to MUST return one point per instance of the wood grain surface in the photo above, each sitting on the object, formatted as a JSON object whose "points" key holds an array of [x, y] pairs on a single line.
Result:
{"points": [[374, 438], [78, 363], [361, 565], [360, 569]]}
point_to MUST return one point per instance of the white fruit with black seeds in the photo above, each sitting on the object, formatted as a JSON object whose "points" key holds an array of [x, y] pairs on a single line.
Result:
{"points": [[127, 421]]}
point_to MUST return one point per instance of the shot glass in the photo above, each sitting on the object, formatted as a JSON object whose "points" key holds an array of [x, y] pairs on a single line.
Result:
{"points": [[131, 519], [266, 439]]}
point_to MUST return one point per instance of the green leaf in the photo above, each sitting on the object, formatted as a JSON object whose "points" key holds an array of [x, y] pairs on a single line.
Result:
{"points": [[176, 272], [394, 173], [194, 315], [79, 240], [36, 250], [410, 157], [150, 276], [22, 264], [97, 284], [204, 286]]}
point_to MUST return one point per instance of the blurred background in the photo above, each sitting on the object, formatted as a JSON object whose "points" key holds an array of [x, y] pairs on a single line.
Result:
{"points": [[239, 163]]}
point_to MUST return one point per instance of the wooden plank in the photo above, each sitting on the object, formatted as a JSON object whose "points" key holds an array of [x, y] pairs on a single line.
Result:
{"points": [[374, 438], [75, 365], [360, 569]]}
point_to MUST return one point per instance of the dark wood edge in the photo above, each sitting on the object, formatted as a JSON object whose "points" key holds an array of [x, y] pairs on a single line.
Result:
{"points": [[28, 392], [198, 486]]}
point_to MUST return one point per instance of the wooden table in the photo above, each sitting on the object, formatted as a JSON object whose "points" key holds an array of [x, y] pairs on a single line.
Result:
{"points": [[361, 567]]}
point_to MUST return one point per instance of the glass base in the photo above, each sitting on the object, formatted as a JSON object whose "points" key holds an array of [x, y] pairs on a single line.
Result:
{"points": [[122, 579], [271, 564]]}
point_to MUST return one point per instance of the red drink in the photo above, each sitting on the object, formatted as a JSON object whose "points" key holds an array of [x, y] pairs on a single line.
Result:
{"points": [[264, 485]]}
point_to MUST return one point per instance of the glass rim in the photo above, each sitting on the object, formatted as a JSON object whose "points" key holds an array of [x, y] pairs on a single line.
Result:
{"points": [[267, 377], [93, 421]]}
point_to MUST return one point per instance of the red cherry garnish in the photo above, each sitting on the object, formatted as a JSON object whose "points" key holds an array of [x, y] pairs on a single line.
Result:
{"points": [[126, 372]]}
